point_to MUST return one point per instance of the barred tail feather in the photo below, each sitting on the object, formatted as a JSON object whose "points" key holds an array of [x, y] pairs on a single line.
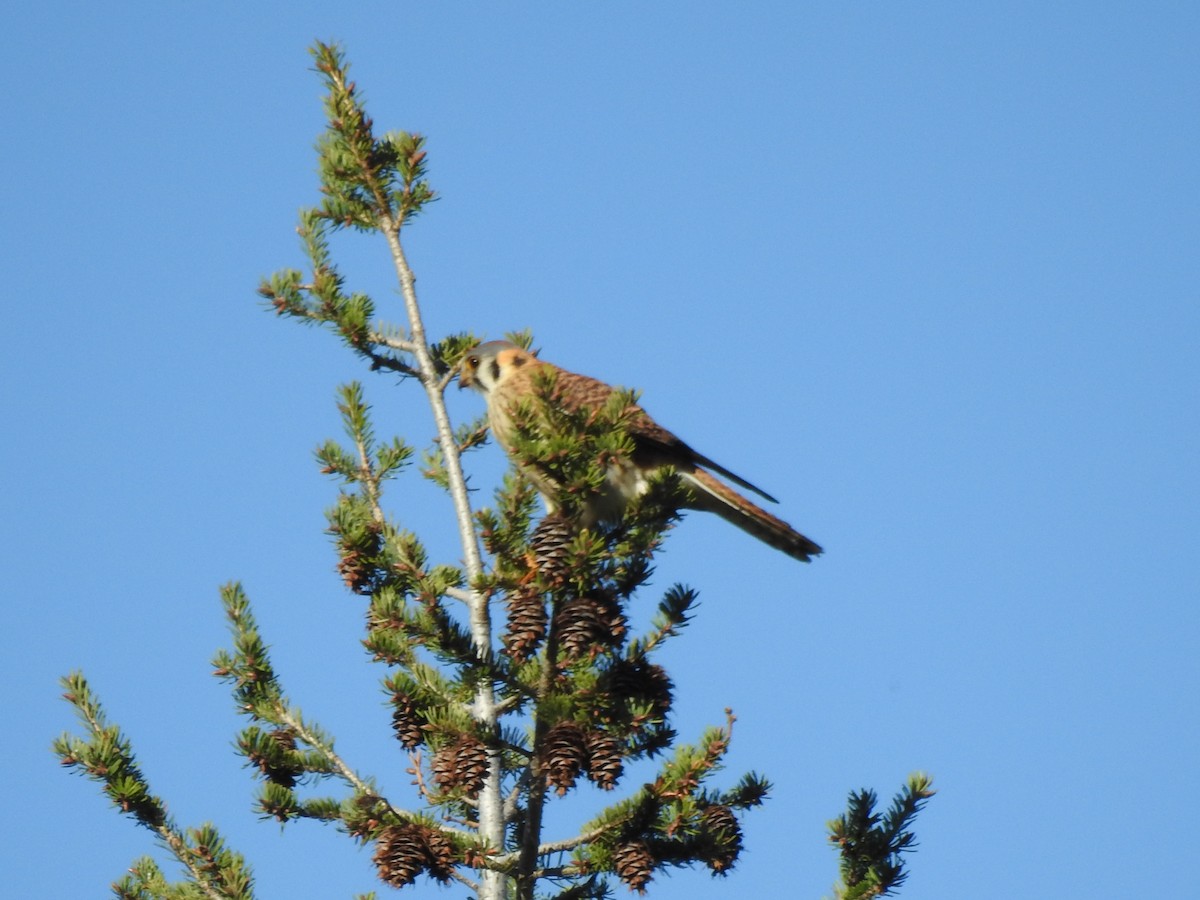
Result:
{"points": [[711, 495]]}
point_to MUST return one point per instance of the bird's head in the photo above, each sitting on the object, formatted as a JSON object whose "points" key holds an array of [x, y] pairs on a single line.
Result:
{"points": [[487, 365]]}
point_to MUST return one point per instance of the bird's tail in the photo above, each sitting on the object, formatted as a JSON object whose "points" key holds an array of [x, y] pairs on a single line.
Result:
{"points": [[712, 495]]}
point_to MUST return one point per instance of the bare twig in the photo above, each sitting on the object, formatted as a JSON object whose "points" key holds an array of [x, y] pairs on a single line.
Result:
{"points": [[561, 846], [347, 773], [418, 774], [376, 337], [306, 734], [511, 807], [370, 481], [463, 879], [512, 701], [491, 811], [579, 839], [459, 594]]}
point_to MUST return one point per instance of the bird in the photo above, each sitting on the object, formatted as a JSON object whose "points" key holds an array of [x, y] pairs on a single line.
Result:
{"points": [[505, 373]]}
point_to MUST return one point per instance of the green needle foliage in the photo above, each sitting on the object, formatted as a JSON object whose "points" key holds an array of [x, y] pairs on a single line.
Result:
{"points": [[870, 844], [105, 755], [513, 674]]}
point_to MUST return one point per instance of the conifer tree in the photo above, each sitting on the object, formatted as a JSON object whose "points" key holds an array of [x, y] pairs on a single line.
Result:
{"points": [[513, 673]]}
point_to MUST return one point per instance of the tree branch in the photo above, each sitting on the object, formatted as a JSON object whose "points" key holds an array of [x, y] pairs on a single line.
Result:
{"points": [[370, 480], [464, 880], [491, 806], [179, 848], [376, 337], [579, 839], [460, 594], [309, 737]]}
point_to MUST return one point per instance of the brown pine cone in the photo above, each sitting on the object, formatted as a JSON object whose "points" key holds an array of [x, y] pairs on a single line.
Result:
{"points": [[588, 623], [471, 764], [401, 854], [721, 826], [641, 680], [550, 545], [635, 865], [526, 623], [355, 572], [604, 765], [441, 855], [407, 723], [359, 573], [462, 764], [565, 753]]}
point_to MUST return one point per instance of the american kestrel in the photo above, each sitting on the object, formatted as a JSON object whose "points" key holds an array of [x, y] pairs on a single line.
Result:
{"points": [[504, 373]]}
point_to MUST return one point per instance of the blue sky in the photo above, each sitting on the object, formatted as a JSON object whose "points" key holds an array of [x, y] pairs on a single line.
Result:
{"points": [[925, 271]]}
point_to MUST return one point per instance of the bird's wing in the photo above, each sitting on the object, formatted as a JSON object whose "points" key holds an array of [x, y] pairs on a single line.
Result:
{"points": [[576, 390], [663, 441]]}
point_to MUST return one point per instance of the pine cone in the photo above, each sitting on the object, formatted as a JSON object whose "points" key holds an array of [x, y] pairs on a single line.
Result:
{"points": [[401, 854], [285, 738], [549, 542], [526, 623], [721, 826], [445, 767], [471, 765], [356, 552], [463, 764], [635, 865], [355, 572], [273, 769], [604, 765], [287, 773], [407, 723], [588, 622], [565, 753], [441, 857], [640, 680]]}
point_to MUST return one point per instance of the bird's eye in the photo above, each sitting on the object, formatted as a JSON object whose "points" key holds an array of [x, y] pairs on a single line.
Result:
{"points": [[473, 361]]}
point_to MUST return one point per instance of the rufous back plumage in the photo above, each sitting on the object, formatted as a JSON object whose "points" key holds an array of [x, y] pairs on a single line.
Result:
{"points": [[505, 373]]}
